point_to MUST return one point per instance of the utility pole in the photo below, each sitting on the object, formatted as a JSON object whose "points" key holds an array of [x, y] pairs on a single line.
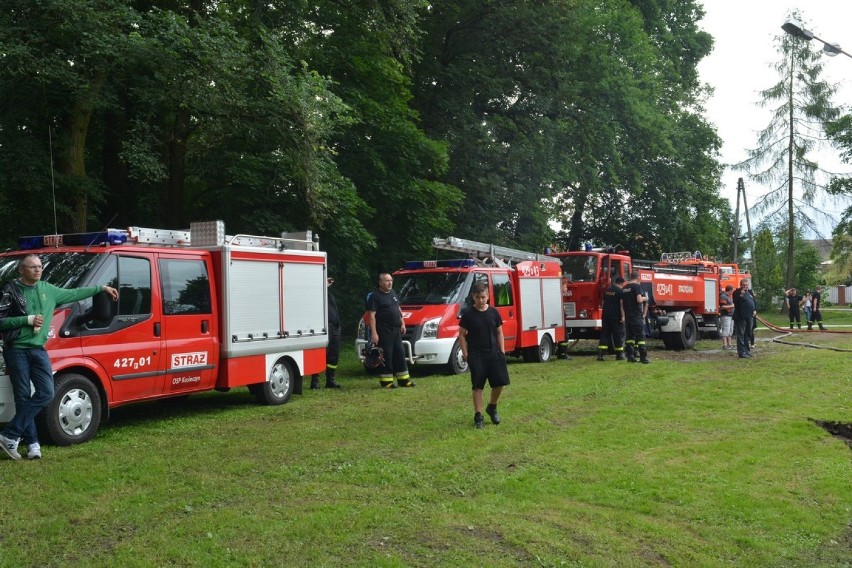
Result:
{"points": [[741, 191], [737, 221]]}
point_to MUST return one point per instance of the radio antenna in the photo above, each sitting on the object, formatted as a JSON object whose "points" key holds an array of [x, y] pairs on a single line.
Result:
{"points": [[52, 182]]}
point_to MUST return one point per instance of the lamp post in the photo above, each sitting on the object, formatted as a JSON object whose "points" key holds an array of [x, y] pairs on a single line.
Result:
{"points": [[795, 28]]}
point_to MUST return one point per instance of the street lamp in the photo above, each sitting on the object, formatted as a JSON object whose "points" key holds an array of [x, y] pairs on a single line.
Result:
{"points": [[795, 28]]}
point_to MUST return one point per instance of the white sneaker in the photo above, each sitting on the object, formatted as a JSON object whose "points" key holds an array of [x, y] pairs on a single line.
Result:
{"points": [[10, 447], [34, 451]]}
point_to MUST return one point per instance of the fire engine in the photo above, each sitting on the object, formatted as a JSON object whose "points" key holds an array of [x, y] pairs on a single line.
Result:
{"points": [[197, 310], [683, 292], [524, 287]]}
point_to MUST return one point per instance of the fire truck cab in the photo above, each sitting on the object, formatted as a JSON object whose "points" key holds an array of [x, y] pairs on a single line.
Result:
{"points": [[197, 310]]}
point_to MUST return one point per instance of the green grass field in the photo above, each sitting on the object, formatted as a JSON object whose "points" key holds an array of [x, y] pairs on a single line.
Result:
{"points": [[698, 459]]}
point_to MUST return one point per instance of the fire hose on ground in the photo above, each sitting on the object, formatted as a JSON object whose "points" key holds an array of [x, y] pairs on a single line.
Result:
{"points": [[789, 332]]}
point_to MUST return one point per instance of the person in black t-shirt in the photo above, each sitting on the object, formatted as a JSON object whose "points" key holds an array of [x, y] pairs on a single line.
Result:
{"points": [[612, 321], [816, 309], [793, 301], [386, 329], [633, 300], [482, 344]]}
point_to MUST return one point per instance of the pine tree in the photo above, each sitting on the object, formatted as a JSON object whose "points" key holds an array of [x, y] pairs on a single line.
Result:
{"points": [[782, 159]]}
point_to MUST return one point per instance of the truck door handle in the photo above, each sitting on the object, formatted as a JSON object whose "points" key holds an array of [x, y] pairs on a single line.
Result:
{"points": [[205, 326], [157, 329]]}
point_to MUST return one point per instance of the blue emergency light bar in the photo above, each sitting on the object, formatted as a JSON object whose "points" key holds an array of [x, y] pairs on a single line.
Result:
{"points": [[108, 237], [454, 263]]}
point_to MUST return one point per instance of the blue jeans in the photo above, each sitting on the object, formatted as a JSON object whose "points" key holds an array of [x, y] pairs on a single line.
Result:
{"points": [[27, 366]]}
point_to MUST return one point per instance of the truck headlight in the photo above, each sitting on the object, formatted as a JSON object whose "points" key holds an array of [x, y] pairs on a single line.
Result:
{"points": [[584, 314], [430, 329]]}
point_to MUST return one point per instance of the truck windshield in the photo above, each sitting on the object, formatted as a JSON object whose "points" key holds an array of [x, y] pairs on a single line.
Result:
{"points": [[432, 288], [580, 268], [63, 269]]}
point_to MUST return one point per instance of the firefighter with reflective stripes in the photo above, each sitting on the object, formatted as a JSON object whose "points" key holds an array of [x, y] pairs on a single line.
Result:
{"points": [[332, 352], [386, 329], [612, 321], [634, 301]]}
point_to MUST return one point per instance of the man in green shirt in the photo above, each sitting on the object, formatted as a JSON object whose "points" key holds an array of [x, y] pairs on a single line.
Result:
{"points": [[26, 310]]}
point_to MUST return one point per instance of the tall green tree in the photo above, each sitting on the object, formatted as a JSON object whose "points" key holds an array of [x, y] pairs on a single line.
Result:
{"points": [[582, 113], [783, 158], [59, 61], [768, 282]]}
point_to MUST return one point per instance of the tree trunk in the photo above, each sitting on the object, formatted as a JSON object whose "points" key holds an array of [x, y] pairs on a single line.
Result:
{"points": [[115, 170], [177, 171], [791, 229], [73, 161]]}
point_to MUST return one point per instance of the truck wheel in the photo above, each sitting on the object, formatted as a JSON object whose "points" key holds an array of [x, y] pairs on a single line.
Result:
{"points": [[688, 333], [456, 365], [278, 388], [540, 354], [74, 414]]}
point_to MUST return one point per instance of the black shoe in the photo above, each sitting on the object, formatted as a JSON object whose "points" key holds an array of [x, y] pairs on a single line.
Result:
{"points": [[315, 383], [644, 361], [405, 384], [387, 385], [477, 420], [619, 356], [600, 356], [331, 384], [491, 410]]}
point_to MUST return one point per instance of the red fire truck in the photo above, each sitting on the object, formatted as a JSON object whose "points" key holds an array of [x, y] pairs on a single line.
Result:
{"points": [[197, 310], [524, 287], [683, 292]]}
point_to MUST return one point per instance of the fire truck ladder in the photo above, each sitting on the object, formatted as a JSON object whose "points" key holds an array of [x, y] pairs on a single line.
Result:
{"points": [[484, 250]]}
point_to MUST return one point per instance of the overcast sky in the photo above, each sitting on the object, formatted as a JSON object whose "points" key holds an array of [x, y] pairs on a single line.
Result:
{"points": [[740, 67]]}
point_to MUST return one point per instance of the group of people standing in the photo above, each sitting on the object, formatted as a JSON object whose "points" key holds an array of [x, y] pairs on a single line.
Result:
{"points": [[811, 302], [625, 307], [737, 313], [480, 338]]}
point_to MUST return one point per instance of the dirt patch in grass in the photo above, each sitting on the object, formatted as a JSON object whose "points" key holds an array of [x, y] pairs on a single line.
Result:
{"points": [[840, 430]]}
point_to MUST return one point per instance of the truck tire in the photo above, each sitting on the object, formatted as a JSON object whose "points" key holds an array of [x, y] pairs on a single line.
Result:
{"points": [[456, 365], [688, 333], [541, 353], [279, 386], [74, 414]]}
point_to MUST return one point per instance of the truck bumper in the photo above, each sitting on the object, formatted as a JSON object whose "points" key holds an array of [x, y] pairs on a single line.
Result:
{"points": [[583, 329], [7, 399], [423, 352]]}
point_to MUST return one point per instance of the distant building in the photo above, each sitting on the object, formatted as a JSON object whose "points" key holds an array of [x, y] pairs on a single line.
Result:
{"points": [[823, 247]]}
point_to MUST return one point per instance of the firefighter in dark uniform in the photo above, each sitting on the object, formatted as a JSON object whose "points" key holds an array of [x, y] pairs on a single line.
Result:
{"points": [[332, 352], [386, 329], [633, 300], [612, 321]]}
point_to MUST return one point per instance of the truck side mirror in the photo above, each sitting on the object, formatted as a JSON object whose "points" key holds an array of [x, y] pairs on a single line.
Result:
{"points": [[101, 308]]}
